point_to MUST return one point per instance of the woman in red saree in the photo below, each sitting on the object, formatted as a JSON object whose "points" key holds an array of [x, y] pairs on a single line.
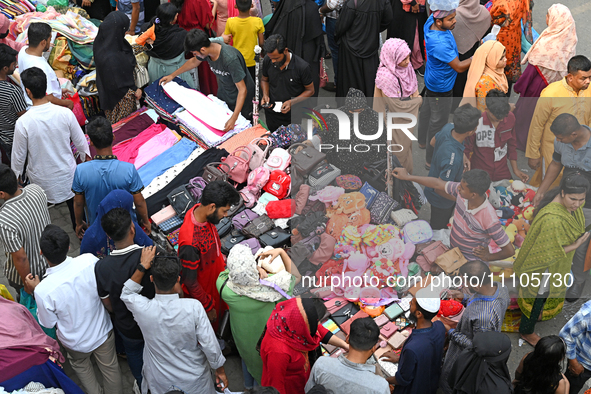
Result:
{"points": [[287, 341]]}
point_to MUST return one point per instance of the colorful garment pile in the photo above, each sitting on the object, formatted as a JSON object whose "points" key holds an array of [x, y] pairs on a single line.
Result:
{"points": [[71, 25], [160, 102], [12, 8]]}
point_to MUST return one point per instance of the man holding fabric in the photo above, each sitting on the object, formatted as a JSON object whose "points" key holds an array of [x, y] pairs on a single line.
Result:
{"points": [[235, 85]]}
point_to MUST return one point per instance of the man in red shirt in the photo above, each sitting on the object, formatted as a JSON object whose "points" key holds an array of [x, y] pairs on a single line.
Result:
{"points": [[200, 246], [494, 141]]}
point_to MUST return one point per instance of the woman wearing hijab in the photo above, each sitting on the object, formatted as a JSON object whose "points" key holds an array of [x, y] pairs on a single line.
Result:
{"points": [[199, 14], [293, 330], [298, 22], [115, 63], [96, 241], [251, 303], [540, 371], [482, 369], [547, 62], [358, 33], [368, 121], [510, 14], [487, 72], [168, 50], [472, 24], [397, 91]]}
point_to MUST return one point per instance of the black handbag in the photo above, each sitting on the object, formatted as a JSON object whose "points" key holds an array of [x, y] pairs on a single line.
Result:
{"points": [[234, 209], [306, 159], [211, 172], [230, 240], [345, 313], [181, 200], [258, 227], [224, 226], [275, 238]]}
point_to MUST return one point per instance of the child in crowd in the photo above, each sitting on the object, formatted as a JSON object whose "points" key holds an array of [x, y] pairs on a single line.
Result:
{"points": [[447, 163], [494, 141], [245, 30], [475, 220]]}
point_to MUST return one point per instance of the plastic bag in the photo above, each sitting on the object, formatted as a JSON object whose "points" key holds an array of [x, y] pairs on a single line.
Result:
{"points": [[29, 302], [5, 293], [442, 235], [78, 110], [58, 3]]}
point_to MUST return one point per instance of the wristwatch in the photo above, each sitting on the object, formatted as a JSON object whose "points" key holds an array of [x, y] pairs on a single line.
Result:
{"points": [[141, 268]]}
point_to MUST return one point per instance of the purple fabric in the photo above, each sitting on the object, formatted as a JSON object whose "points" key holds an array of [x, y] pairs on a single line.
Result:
{"points": [[129, 130], [529, 86], [128, 150], [23, 343]]}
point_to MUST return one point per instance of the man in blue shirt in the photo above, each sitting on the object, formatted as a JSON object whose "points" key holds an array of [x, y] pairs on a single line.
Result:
{"points": [[577, 338], [448, 161], [443, 66], [419, 363], [95, 179]]}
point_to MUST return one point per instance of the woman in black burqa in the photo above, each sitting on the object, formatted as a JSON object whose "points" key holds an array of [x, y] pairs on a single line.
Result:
{"points": [[115, 63], [482, 369], [358, 35]]}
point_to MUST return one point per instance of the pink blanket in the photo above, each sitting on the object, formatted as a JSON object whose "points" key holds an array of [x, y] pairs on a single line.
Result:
{"points": [[155, 146]]}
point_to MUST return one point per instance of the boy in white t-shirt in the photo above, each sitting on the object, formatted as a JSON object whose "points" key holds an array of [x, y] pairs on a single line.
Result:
{"points": [[39, 35]]}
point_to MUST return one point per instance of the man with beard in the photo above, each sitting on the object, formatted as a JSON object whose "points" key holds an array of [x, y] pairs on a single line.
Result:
{"points": [[39, 35], [420, 360], [440, 75], [200, 246], [12, 101]]}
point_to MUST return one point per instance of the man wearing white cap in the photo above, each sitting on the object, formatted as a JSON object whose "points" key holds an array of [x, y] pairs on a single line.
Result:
{"points": [[420, 360]]}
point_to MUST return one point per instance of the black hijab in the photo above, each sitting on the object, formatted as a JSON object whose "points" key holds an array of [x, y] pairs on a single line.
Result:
{"points": [[169, 43], [297, 21], [114, 60], [483, 368]]}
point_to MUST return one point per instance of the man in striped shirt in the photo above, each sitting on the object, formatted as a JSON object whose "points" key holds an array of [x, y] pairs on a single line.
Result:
{"points": [[576, 334], [475, 220], [23, 217]]}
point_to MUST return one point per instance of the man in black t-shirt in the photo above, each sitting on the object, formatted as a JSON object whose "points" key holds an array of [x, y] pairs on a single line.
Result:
{"points": [[112, 272], [286, 82], [235, 85]]}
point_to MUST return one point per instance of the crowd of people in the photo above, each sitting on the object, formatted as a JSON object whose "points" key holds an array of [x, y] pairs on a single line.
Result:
{"points": [[168, 313]]}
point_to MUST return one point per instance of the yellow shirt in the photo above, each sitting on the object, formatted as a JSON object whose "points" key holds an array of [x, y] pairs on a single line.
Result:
{"points": [[555, 99], [244, 33]]}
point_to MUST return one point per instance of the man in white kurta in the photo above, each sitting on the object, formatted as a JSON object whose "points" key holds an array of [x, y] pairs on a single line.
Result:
{"points": [[180, 344]]}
